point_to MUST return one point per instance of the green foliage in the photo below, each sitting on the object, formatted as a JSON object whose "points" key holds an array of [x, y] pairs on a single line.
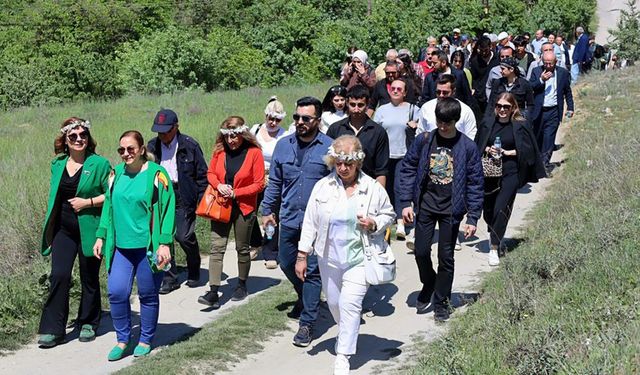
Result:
{"points": [[626, 38]]}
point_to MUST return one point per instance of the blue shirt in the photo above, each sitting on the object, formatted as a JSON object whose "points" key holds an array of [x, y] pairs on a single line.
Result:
{"points": [[290, 183]]}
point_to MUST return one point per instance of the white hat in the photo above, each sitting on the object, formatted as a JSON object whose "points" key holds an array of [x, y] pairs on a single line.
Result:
{"points": [[456, 30], [503, 35], [493, 38]]}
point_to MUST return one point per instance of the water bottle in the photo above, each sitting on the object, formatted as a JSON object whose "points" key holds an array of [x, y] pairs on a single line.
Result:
{"points": [[154, 259], [270, 230], [498, 145]]}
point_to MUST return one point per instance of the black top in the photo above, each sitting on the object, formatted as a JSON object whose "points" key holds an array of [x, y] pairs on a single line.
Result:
{"points": [[480, 72], [375, 144], [68, 187], [521, 90], [505, 132], [437, 185], [301, 150], [234, 160]]}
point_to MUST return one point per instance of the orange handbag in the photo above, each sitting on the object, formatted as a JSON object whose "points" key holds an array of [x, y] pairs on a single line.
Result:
{"points": [[213, 206]]}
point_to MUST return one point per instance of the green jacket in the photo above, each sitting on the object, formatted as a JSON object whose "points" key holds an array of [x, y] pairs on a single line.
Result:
{"points": [[161, 212], [93, 182]]}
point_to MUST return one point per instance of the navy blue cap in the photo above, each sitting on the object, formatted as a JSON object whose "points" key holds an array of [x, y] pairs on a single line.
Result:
{"points": [[164, 121]]}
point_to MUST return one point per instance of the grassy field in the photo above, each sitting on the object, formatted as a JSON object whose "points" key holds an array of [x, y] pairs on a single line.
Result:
{"points": [[26, 142], [566, 300]]}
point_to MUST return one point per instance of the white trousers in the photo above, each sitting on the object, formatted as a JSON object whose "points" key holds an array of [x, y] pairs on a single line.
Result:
{"points": [[344, 290]]}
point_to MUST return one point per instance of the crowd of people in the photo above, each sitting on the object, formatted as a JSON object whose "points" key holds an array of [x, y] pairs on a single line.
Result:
{"points": [[408, 145]]}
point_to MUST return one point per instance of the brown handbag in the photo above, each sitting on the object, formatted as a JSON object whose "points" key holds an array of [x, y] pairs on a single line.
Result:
{"points": [[491, 167], [213, 206]]}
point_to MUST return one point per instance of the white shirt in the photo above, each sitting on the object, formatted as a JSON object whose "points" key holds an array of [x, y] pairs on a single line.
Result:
{"points": [[466, 125], [329, 118], [267, 145], [168, 158]]}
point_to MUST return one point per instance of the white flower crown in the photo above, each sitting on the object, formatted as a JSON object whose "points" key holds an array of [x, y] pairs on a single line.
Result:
{"points": [[238, 130], [74, 124], [342, 156]]}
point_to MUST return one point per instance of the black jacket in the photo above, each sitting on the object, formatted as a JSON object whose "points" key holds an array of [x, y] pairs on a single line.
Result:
{"points": [[463, 91], [192, 169], [530, 166], [521, 90], [479, 73]]}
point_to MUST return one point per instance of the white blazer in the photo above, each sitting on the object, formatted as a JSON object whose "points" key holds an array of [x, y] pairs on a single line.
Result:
{"points": [[372, 199]]}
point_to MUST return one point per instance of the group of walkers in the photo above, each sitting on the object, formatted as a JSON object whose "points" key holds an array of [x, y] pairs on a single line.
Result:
{"points": [[438, 142]]}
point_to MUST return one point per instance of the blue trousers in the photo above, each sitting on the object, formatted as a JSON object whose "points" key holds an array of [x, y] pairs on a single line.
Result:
{"points": [[127, 264], [309, 290]]}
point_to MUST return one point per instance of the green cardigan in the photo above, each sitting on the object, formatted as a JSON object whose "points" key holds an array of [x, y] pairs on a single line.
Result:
{"points": [[93, 182], [161, 212]]}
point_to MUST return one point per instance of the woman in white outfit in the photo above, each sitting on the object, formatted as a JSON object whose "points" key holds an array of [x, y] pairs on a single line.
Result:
{"points": [[344, 206]]}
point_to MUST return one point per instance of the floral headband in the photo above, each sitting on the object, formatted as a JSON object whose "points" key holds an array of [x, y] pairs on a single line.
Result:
{"points": [[279, 116], [238, 130], [342, 156], [74, 124]]}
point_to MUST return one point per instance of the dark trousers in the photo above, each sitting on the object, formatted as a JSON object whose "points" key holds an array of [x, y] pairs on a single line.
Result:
{"points": [[545, 129], [499, 205], [269, 246], [392, 186], [186, 237], [437, 283], [55, 313], [309, 290]]}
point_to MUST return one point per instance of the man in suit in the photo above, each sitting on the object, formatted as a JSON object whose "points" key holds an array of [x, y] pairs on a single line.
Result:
{"points": [[441, 66], [551, 88], [581, 55]]}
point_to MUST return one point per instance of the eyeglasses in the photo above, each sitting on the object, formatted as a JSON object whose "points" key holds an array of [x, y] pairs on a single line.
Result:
{"points": [[394, 89], [274, 119], [359, 105], [506, 107], [73, 137], [129, 149], [345, 163], [304, 118], [443, 92]]}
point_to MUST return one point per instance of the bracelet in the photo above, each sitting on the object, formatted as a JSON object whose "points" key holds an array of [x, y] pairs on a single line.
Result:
{"points": [[91, 201]]}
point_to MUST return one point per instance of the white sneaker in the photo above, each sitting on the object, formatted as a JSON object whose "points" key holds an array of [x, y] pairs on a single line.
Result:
{"points": [[458, 246], [400, 233], [494, 260], [341, 366], [411, 240]]}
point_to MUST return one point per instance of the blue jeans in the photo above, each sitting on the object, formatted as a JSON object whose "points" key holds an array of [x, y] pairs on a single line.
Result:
{"points": [[128, 263], [309, 290], [575, 72]]}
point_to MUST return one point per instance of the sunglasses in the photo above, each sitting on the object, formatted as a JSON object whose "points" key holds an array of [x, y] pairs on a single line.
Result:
{"points": [[73, 137], [443, 92], [274, 119], [506, 107], [345, 163], [304, 118], [359, 105], [394, 89], [129, 149]]}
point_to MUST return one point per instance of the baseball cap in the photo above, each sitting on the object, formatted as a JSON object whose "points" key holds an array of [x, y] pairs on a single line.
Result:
{"points": [[164, 121], [503, 35], [456, 30]]}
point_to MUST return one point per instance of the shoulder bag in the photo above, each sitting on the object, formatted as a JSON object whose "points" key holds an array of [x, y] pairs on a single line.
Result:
{"points": [[491, 167], [379, 266]]}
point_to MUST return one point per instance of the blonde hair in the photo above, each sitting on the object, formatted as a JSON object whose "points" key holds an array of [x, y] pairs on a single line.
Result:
{"points": [[274, 107], [348, 144]]}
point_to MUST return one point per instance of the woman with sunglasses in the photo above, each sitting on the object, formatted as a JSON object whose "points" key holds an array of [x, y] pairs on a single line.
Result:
{"points": [[78, 184], [344, 207], [400, 120], [135, 237], [236, 171], [267, 135], [521, 163], [513, 82], [334, 107]]}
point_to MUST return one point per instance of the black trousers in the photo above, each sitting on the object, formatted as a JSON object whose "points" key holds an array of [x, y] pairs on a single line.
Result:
{"points": [[186, 237], [269, 246], [499, 205], [437, 283], [55, 313]]}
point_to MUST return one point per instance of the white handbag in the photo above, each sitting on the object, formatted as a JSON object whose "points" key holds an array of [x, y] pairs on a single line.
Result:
{"points": [[379, 267]]}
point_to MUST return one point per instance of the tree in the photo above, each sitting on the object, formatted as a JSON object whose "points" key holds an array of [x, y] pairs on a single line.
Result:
{"points": [[626, 38]]}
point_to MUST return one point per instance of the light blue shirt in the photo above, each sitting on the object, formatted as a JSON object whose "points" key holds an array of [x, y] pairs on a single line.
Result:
{"points": [[550, 91]]}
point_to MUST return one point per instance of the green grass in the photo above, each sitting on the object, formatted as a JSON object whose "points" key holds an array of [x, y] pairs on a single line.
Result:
{"points": [[224, 341], [26, 142], [567, 300]]}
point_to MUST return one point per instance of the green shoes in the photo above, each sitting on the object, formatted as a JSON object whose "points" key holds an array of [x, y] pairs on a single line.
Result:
{"points": [[49, 340], [117, 353], [141, 351], [87, 333]]}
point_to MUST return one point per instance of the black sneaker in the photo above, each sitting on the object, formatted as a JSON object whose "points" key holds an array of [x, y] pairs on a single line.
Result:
{"points": [[239, 294], [192, 283], [423, 302], [441, 314], [303, 337], [168, 286], [210, 298], [296, 310]]}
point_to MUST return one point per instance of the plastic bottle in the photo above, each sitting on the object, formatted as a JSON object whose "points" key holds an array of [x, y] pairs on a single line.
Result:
{"points": [[498, 144], [154, 259], [270, 230]]}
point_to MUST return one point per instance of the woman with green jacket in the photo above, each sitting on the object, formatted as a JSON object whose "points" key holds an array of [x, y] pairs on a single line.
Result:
{"points": [[135, 237], [78, 183]]}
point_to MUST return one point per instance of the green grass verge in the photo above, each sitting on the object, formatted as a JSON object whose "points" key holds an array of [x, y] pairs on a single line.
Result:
{"points": [[567, 300], [231, 337], [26, 142]]}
